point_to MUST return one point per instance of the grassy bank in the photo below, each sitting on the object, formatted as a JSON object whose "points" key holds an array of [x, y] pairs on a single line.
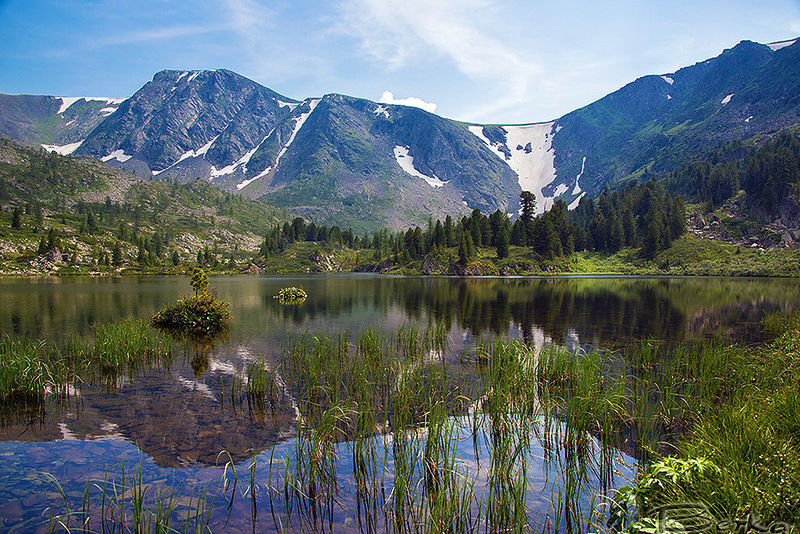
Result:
{"points": [[688, 256], [740, 455]]}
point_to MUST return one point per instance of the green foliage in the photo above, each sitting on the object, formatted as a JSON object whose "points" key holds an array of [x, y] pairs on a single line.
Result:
{"points": [[31, 370], [23, 373], [466, 249], [199, 281], [200, 316], [291, 294], [141, 219]]}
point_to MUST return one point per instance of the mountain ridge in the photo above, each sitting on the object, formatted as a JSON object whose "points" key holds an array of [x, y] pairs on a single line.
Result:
{"points": [[335, 157]]}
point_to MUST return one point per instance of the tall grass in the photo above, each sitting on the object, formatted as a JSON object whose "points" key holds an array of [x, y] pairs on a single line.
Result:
{"points": [[31, 370], [123, 502], [439, 444]]}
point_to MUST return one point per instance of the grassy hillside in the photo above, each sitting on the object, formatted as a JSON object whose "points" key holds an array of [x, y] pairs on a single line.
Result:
{"points": [[78, 215]]}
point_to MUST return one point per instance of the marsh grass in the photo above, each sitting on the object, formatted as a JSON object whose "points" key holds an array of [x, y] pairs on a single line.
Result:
{"points": [[403, 413], [707, 422], [123, 502], [31, 370]]}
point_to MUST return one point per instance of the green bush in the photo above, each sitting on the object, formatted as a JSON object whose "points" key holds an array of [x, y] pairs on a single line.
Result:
{"points": [[199, 316], [291, 294]]}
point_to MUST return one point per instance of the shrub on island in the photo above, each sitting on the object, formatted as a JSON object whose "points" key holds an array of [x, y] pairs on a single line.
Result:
{"points": [[291, 294], [202, 315]]}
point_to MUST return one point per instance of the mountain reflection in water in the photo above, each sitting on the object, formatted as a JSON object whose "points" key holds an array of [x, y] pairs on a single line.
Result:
{"points": [[182, 413]]}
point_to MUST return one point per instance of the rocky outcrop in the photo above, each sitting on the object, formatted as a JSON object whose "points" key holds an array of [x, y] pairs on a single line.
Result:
{"points": [[741, 223]]}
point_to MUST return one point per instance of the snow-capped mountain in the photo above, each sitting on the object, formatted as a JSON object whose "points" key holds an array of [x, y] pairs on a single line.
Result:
{"points": [[363, 164]]}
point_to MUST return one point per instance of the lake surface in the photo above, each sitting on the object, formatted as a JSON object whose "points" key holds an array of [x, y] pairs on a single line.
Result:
{"points": [[172, 421]]}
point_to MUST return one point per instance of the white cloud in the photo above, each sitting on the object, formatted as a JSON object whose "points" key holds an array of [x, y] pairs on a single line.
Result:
{"points": [[460, 31], [158, 34], [388, 98]]}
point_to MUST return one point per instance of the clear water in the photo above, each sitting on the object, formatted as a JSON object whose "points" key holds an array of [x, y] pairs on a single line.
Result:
{"points": [[172, 423]]}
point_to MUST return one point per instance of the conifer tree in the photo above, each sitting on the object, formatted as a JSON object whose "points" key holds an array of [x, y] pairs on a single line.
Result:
{"points": [[466, 249], [502, 239], [116, 255], [16, 218]]}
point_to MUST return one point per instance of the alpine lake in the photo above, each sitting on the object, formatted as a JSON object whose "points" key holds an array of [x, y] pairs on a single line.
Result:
{"points": [[266, 430]]}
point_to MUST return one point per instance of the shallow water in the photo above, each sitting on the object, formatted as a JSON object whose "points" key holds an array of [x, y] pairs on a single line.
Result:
{"points": [[174, 420]]}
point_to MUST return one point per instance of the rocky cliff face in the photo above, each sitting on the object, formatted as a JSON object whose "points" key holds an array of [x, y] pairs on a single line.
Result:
{"points": [[213, 116]]}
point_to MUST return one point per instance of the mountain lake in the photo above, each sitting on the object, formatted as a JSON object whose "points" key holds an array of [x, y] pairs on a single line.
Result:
{"points": [[186, 437]]}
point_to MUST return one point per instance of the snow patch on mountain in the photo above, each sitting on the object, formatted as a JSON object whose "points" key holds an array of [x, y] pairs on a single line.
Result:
{"points": [[382, 110], [577, 188], [290, 105], [118, 155], [67, 101], [249, 181], [726, 99], [298, 123], [191, 154], [241, 162], [406, 163], [574, 203], [668, 79], [196, 153], [531, 156], [777, 45], [748, 119], [245, 183], [194, 75], [560, 190], [64, 150]]}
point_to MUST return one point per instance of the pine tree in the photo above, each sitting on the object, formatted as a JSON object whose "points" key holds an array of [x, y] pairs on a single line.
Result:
{"points": [[16, 218], [450, 232], [91, 223], [528, 204], [52, 240], [116, 255], [502, 239], [466, 249]]}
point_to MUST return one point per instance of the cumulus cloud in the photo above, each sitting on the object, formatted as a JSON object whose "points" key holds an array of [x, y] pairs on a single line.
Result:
{"points": [[388, 98]]}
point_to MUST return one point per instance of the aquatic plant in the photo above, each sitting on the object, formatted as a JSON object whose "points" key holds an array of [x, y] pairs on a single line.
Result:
{"points": [[127, 344], [124, 503], [23, 373], [440, 444], [291, 294]]}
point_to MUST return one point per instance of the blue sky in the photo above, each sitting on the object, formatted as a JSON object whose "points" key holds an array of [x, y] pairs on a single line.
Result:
{"points": [[477, 60]]}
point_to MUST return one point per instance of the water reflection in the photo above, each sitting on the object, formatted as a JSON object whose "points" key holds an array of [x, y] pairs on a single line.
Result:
{"points": [[183, 413], [598, 310]]}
